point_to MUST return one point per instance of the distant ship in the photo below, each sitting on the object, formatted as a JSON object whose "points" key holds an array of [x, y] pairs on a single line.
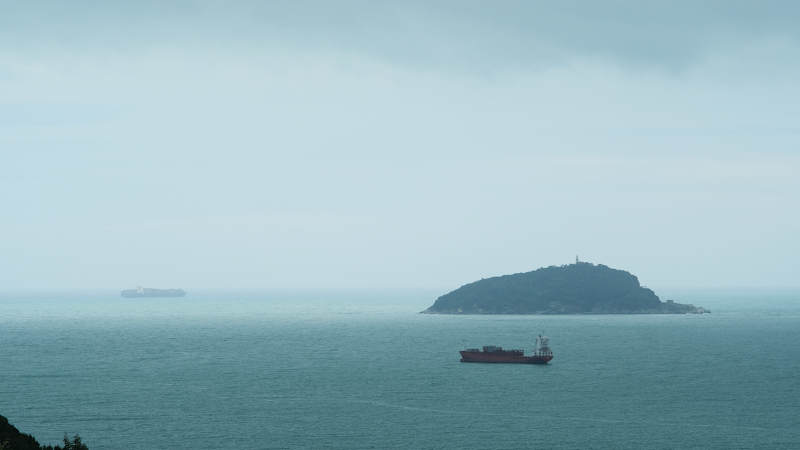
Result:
{"points": [[150, 292], [494, 354]]}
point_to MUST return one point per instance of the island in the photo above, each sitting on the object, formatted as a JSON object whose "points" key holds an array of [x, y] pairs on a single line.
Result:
{"points": [[151, 292], [580, 288]]}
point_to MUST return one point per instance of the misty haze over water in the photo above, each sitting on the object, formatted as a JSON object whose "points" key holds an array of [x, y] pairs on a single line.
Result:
{"points": [[314, 174], [360, 370]]}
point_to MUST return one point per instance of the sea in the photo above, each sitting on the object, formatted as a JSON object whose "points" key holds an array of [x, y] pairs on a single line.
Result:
{"points": [[365, 370]]}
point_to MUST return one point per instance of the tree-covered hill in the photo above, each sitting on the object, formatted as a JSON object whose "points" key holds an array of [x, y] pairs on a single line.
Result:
{"points": [[12, 439], [580, 288]]}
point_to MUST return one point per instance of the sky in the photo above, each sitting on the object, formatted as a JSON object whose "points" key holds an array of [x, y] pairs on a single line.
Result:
{"points": [[413, 144]]}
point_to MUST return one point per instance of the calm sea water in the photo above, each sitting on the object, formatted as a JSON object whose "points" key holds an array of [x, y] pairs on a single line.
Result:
{"points": [[363, 370]]}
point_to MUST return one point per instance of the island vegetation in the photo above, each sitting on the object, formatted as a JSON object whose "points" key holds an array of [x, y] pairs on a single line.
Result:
{"points": [[580, 288], [12, 439]]}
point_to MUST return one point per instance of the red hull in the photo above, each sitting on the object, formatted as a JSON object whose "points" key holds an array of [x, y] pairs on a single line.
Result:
{"points": [[503, 357]]}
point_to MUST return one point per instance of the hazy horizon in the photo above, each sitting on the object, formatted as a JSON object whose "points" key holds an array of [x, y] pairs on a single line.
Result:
{"points": [[662, 290], [383, 145]]}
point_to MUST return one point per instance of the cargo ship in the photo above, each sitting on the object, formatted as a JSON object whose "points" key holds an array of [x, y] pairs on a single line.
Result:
{"points": [[494, 354], [150, 292]]}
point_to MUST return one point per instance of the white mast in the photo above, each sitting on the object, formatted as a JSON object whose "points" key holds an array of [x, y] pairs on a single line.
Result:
{"points": [[543, 346]]}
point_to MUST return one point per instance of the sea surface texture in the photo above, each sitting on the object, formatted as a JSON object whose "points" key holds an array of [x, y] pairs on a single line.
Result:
{"points": [[227, 370]]}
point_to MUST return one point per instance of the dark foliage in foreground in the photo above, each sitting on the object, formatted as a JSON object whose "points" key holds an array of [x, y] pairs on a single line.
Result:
{"points": [[12, 439]]}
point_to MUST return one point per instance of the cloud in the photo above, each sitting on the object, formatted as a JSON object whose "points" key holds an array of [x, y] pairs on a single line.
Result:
{"points": [[319, 141], [471, 36]]}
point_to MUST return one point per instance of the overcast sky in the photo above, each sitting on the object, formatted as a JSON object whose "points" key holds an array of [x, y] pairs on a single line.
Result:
{"points": [[408, 144]]}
